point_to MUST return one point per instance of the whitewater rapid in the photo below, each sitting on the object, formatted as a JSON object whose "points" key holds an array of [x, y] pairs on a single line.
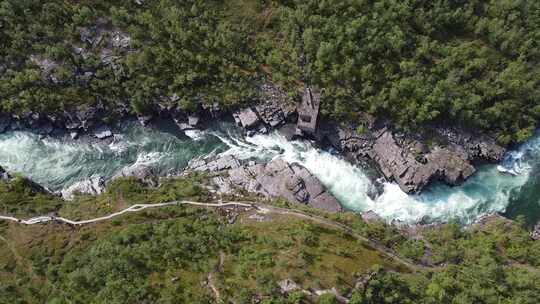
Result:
{"points": [[488, 191], [58, 164]]}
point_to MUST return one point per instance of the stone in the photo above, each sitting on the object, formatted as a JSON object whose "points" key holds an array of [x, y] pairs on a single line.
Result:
{"points": [[326, 201], [247, 118], [74, 135], [103, 132], [287, 286], [218, 164], [93, 186], [308, 112], [143, 173], [275, 179], [535, 233], [370, 216], [193, 120], [4, 175], [5, 122], [399, 164], [120, 40], [144, 120]]}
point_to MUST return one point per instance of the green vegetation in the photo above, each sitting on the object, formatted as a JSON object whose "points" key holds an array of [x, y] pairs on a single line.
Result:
{"points": [[180, 254], [22, 196], [415, 62]]}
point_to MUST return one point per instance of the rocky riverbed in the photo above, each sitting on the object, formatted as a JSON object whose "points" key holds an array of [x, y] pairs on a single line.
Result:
{"points": [[413, 162]]}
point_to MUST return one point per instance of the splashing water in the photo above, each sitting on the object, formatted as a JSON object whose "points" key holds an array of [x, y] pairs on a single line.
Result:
{"points": [[487, 191], [58, 164]]}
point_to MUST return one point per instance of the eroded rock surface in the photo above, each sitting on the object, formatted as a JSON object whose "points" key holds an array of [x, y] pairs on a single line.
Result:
{"points": [[275, 179], [140, 172], [4, 175], [535, 233], [409, 160], [93, 186], [413, 171]]}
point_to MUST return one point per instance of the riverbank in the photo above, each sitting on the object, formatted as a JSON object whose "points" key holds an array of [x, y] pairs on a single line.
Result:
{"points": [[163, 147], [294, 248], [413, 161]]}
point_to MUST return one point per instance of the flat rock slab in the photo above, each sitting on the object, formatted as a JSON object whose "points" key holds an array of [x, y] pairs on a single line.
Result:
{"points": [[398, 163], [275, 179], [247, 118], [103, 132]]}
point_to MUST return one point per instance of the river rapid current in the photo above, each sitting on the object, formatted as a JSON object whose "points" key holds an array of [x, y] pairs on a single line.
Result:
{"points": [[59, 163]]}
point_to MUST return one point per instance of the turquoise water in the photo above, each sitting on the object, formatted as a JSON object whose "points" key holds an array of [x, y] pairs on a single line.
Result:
{"points": [[59, 163]]}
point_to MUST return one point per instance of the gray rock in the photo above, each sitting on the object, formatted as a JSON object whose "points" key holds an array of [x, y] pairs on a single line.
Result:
{"points": [[193, 120], [93, 186], [214, 164], [74, 135], [400, 164], [275, 179], [287, 286], [370, 216], [247, 118], [4, 175], [120, 40], [535, 233], [103, 132], [141, 172], [144, 120], [5, 122]]}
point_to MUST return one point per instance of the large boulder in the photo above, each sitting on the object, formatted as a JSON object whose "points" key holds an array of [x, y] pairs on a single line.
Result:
{"points": [[413, 171], [247, 118], [214, 164], [93, 186], [140, 172], [274, 110], [475, 146], [5, 122], [103, 132], [275, 179], [4, 175], [535, 233]]}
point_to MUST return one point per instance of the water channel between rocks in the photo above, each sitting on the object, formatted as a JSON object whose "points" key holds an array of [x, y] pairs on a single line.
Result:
{"points": [[58, 163]]}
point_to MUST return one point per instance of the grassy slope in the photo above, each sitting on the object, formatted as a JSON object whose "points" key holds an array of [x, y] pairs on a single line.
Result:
{"points": [[163, 255]]}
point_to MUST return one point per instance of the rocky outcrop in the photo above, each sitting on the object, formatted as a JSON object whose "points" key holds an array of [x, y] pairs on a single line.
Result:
{"points": [[407, 159], [143, 173], [413, 172], [247, 118], [371, 216], [4, 175], [535, 233], [5, 122], [287, 286], [103, 132], [93, 186], [263, 117], [274, 110], [275, 179]]}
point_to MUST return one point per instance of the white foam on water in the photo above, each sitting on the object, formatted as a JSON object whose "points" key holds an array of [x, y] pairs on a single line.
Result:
{"points": [[195, 134], [487, 191], [56, 164]]}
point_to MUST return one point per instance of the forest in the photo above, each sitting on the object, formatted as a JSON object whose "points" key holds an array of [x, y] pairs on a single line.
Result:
{"points": [[415, 63]]}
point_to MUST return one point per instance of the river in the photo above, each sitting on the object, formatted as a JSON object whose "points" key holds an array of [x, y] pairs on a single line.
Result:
{"points": [[57, 164]]}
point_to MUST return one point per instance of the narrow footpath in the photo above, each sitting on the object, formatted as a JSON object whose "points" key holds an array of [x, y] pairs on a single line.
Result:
{"points": [[260, 208]]}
